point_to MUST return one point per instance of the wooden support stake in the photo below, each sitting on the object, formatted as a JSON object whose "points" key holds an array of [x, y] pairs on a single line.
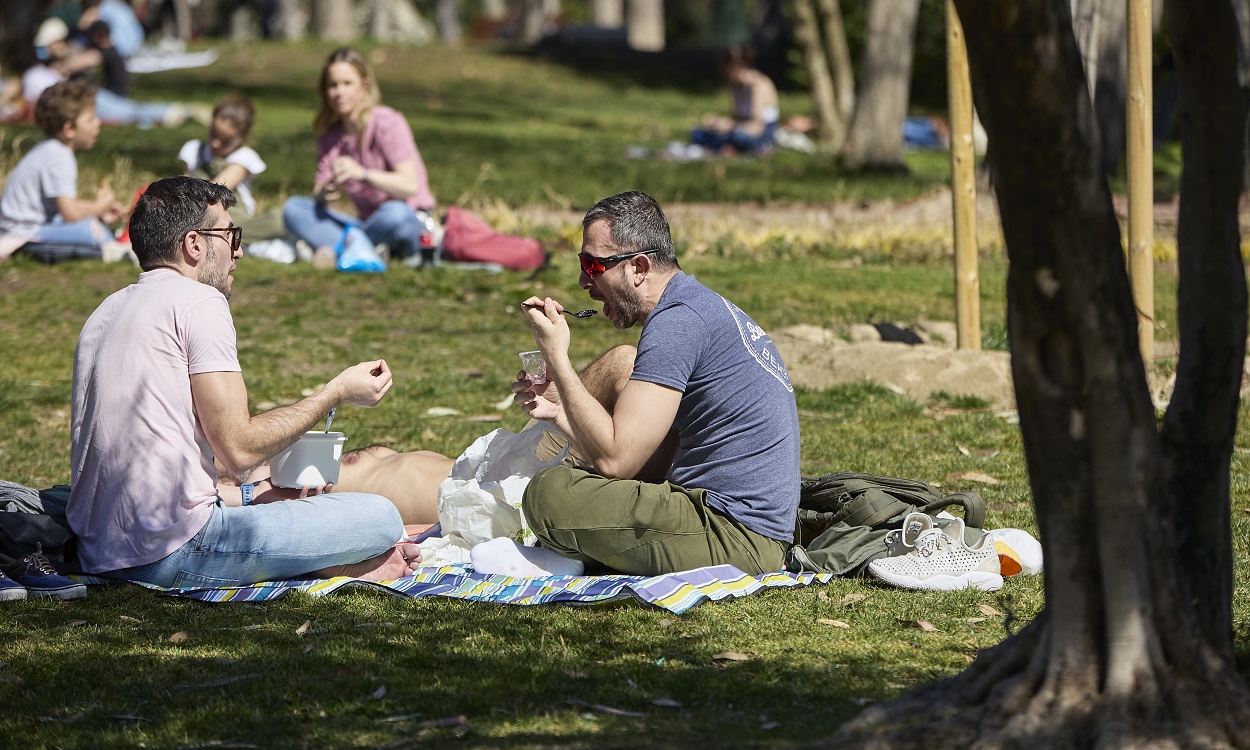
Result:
{"points": [[1141, 173], [963, 186]]}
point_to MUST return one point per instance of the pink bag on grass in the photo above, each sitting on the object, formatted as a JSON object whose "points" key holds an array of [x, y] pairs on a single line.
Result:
{"points": [[468, 239]]}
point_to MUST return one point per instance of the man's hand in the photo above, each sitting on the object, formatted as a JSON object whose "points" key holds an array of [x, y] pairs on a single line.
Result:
{"points": [[540, 401], [550, 329], [267, 493], [364, 384]]}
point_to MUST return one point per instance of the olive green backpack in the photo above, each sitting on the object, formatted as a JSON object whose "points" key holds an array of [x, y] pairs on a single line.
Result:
{"points": [[844, 517]]}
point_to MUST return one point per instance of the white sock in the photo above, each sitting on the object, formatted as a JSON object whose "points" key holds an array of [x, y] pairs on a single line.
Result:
{"points": [[502, 556]]}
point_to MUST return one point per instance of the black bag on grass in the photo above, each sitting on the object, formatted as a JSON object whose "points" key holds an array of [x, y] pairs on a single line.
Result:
{"points": [[31, 520], [844, 517]]}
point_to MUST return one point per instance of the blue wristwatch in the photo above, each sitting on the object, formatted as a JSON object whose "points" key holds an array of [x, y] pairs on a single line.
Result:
{"points": [[249, 491]]}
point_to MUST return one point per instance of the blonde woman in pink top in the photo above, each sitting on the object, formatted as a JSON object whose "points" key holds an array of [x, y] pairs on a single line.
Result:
{"points": [[365, 152]]}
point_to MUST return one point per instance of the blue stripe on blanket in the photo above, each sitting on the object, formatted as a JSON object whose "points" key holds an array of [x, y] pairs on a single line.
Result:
{"points": [[675, 592]]}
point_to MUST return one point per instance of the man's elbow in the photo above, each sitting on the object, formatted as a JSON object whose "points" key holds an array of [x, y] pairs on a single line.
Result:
{"points": [[238, 461], [617, 468]]}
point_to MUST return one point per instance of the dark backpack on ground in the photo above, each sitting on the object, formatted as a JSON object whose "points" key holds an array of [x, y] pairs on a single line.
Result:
{"points": [[844, 517], [33, 520]]}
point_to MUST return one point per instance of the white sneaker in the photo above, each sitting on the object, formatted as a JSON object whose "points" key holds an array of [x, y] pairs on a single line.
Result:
{"points": [[942, 563], [901, 541], [279, 251]]}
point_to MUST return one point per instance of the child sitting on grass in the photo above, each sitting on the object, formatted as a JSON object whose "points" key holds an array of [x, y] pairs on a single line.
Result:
{"points": [[40, 203], [225, 158]]}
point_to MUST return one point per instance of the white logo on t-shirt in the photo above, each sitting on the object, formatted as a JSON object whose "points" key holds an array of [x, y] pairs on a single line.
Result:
{"points": [[760, 345]]}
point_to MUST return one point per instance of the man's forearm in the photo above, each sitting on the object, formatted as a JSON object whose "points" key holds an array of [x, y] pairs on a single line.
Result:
{"points": [[268, 433]]}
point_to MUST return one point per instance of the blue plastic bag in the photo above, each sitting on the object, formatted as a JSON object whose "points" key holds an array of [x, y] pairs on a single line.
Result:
{"points": [[356, 253]]}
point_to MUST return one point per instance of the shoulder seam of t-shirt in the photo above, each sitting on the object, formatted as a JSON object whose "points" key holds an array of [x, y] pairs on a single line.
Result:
{"points": [[671, 383]]}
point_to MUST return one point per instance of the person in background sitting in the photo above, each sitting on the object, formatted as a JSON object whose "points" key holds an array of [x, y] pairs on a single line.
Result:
{"points": [[40, 202], [367, 153], [753, 120]]}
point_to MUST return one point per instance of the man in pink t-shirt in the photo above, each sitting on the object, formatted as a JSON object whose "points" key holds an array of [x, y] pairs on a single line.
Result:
{"points": [[159, 400]]}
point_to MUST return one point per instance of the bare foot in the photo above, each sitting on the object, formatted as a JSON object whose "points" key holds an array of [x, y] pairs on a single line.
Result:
{"points": [[397, 562]]}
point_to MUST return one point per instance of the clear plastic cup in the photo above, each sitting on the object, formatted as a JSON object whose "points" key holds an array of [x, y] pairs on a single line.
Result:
{"points": [[535, 367]]}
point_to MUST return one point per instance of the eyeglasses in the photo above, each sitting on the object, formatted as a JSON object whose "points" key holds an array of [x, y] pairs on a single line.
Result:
{"points": [[235, 235], [593, 266]]}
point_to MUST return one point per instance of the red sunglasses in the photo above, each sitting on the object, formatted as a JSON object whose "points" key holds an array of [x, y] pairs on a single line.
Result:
{"points": [[593, 266]]}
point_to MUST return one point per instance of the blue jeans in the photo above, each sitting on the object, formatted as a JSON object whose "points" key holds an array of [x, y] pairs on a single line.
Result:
{"points": [[87, 232], [738, 138], [394, 223], [244, 545], [123, 111]]}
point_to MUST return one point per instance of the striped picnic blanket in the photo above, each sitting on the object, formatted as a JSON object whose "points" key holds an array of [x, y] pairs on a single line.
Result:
{"points": [[674, 592]]}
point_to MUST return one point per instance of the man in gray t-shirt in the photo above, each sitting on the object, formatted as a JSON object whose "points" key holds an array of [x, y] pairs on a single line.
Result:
{"points": [[691, 441]]}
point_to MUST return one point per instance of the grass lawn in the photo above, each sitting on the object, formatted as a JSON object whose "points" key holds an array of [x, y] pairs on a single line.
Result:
{"points": [[126, 669]]}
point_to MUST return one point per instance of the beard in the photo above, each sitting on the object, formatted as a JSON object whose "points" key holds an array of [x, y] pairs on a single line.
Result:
{"points": [[214, 274], [628, 308]]}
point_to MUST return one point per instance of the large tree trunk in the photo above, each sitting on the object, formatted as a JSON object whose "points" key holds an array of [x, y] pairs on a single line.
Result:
{"points": [[1202, 416], [830, 124], [874, 139], [1133, 648]]}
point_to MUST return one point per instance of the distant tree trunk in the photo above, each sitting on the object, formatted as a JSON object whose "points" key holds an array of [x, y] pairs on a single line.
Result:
{"points": [[644, 21], [830, 124], [333, 20], [874, 139], [534, 18], [839, 54], [1100, 27], [607, 14], [1134, 647], [290, 20], [447, 17]]}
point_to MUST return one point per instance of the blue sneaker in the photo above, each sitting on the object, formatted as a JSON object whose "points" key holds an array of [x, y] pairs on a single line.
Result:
{"points": [[40, 579], [10, 589]]}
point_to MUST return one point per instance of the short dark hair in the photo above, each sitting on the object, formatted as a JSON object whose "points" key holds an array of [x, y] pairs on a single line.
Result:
{"points": [[61, 103], [166, 211], [636, 222]]}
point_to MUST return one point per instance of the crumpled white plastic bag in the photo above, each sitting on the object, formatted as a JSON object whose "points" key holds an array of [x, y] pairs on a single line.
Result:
{"points": [[481, 499]]}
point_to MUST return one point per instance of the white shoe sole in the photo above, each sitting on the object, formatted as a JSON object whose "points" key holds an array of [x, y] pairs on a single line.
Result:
{"points": [[12, 594], [973, 580], [63, 595]]}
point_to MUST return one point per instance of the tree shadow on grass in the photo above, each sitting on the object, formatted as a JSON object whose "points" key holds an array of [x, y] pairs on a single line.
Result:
{"points": [[369, 671]]}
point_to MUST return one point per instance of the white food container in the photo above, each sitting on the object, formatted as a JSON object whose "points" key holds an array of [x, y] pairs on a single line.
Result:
{"points": [[312, 461]]}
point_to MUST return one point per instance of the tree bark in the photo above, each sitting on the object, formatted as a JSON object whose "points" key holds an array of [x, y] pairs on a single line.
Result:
{"points": [[332, 19], [1202, 416], [831, 126], [874, 139], [839, 55], [1133, 648]]}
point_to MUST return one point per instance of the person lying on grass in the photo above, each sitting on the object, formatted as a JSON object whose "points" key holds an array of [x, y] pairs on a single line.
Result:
{"points": [[158, 397], [693, 437]]}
